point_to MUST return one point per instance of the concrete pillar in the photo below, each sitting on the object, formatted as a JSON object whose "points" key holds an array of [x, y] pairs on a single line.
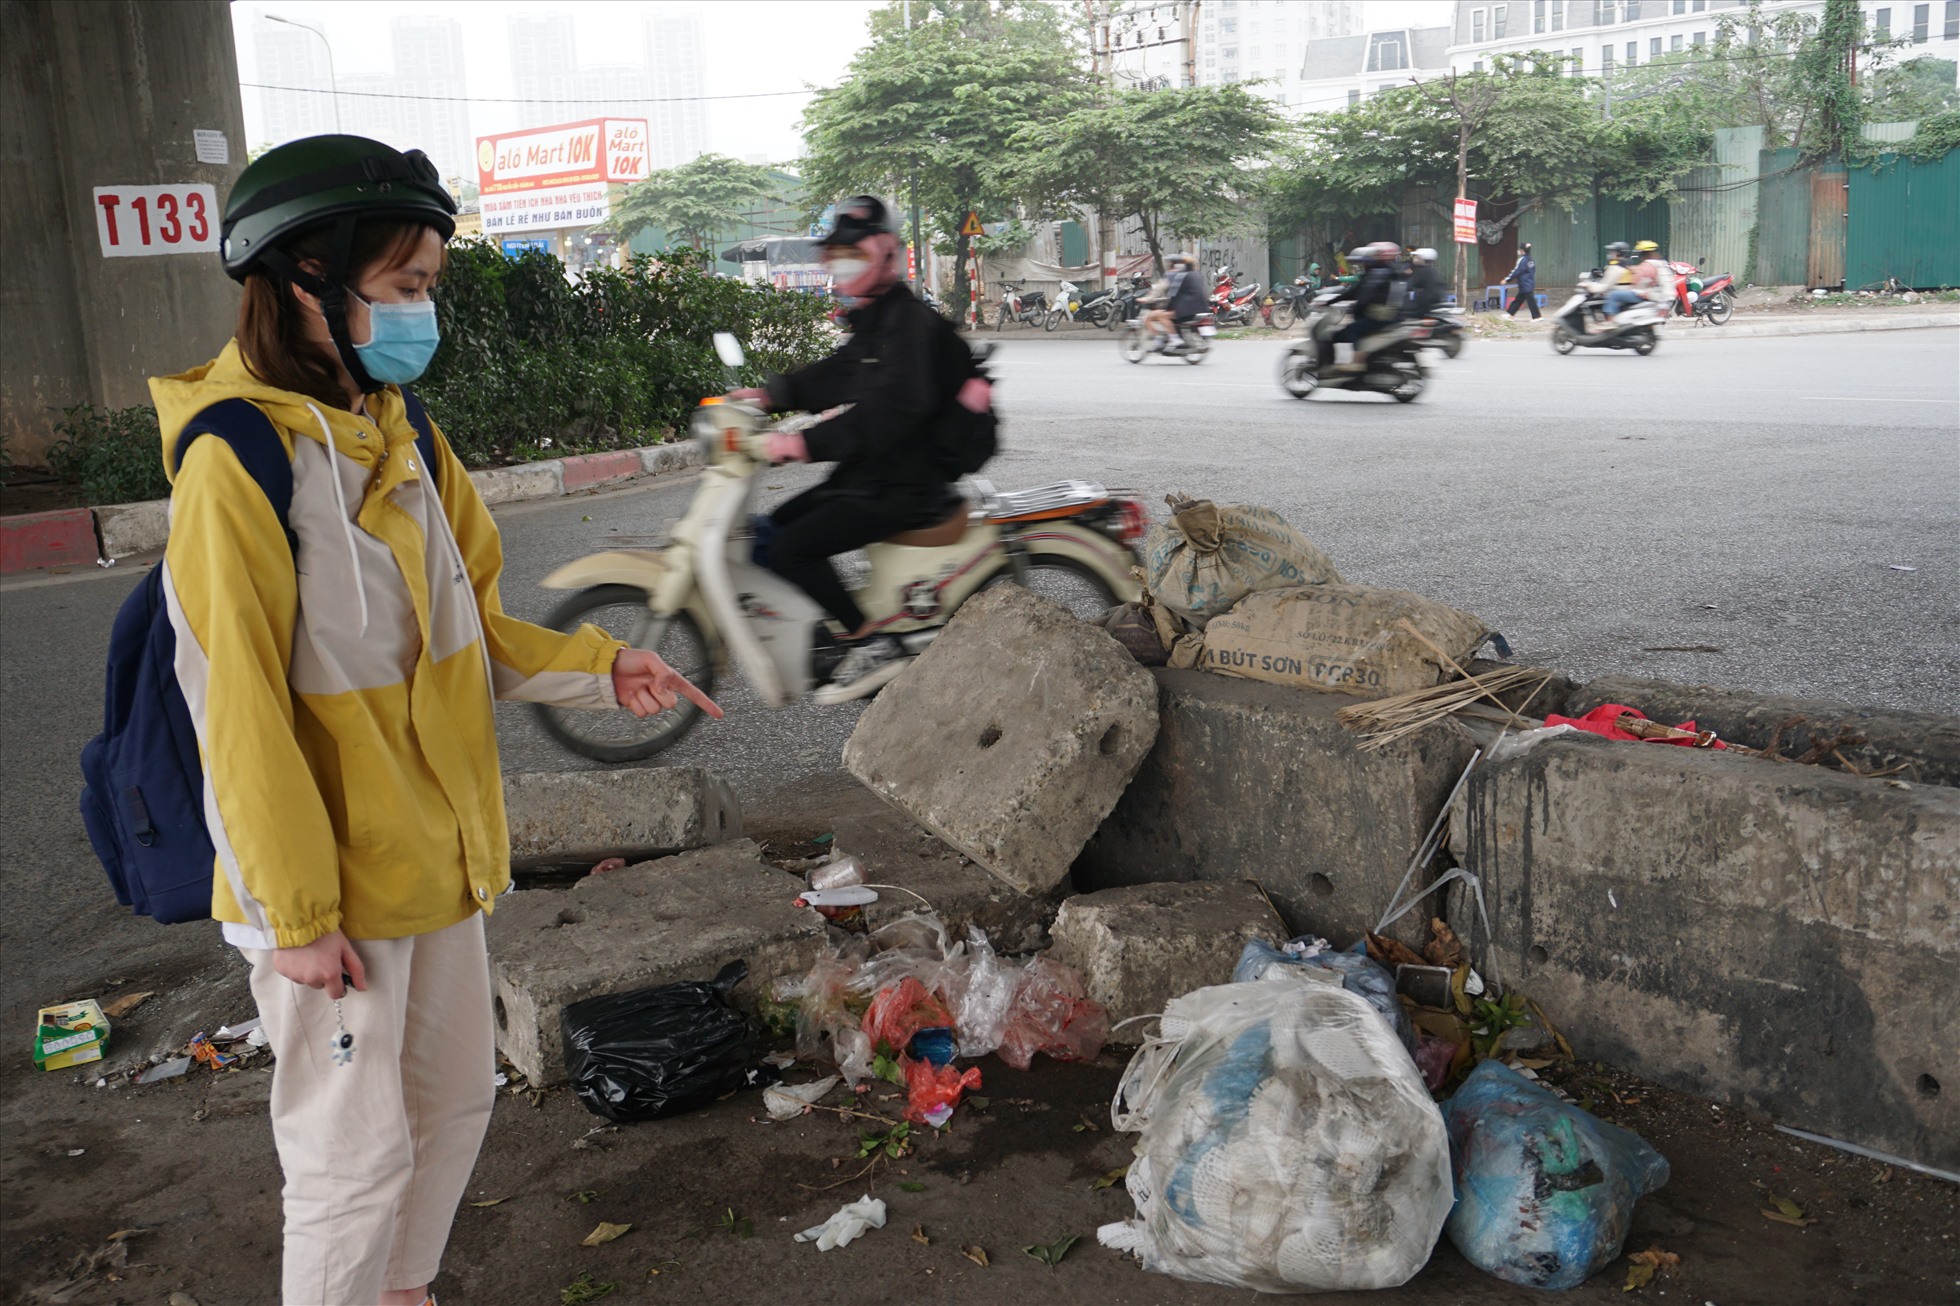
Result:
{"points": [[105, 94]]}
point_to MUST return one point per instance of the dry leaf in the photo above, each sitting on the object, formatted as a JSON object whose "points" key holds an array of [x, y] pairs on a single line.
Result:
{"points": [[1655, 1257], [1784, 1211], [1111, 1179], [1638, 1276], [977, 1254], [1392, 954], [604, 1234], [1443, 948], [495, 1201], [125, 1004], [919, 1235]]}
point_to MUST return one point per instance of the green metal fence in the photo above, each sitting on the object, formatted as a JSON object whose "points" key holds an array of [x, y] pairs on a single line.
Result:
{"points": [[1902, 223]]}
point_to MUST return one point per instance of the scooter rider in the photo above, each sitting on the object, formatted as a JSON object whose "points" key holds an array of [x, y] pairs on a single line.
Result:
{"points": [[1188, 299], [1372, 294], [901, 369], [1612, 282], [1651, 278], [1425, 291]]}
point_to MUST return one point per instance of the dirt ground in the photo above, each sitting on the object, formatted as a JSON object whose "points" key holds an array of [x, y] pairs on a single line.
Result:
{"points": [[129, 1194]]}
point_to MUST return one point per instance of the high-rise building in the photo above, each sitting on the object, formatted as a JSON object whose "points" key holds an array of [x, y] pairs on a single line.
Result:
{"points": [[296, 58], [1267, 40], [543, 66], [678, 120], [421, 104]]}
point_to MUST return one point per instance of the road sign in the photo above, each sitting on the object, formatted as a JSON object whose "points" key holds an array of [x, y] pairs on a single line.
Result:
{"points": [[133, 221], [1466, 222], [972, 226]]}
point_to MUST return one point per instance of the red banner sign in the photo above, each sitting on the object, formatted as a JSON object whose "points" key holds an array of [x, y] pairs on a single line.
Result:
{"points": [[1466, 222]]}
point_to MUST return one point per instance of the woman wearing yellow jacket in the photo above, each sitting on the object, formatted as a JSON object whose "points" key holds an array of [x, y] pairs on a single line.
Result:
{"points": [[341, 680]]}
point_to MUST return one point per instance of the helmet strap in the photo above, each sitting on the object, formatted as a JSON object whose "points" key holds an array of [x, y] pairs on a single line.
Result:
{"points": [[331, 291]]}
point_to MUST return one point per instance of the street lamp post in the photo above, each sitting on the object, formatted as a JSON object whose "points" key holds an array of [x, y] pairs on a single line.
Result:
{"points": [[333, 82]]}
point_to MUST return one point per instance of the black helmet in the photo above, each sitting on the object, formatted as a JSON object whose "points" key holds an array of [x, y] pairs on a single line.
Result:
{"points": [[860, 217], [308, 183], [326, 181], [1619, 249]]}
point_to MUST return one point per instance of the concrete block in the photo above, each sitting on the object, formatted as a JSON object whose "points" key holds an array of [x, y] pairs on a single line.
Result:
{"points": [[585, 816], [1013, 735], [1780, 936], [62, 538], [1927, 746], [658, 458], [131, 528], [1250, 781], [515, 484], [1138, 947], [656, 923]]}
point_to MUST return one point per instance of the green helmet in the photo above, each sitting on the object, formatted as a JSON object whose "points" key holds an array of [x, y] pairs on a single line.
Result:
{"points": [[308, 183]]}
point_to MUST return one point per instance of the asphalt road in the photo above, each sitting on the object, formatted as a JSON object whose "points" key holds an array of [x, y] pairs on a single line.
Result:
{"points": [[1758, 497]]}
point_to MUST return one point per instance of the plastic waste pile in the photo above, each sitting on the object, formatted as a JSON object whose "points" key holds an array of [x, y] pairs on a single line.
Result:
{"points": [[1353, 970], [1545, 1190], [1287, 1142], [907, 1000]]}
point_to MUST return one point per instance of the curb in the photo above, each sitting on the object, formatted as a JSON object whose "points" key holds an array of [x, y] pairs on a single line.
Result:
{"points": [[72, 536]]}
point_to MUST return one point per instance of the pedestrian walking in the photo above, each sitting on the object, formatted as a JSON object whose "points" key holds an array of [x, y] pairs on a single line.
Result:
{"points": [[339, 666], [1525, 277]]}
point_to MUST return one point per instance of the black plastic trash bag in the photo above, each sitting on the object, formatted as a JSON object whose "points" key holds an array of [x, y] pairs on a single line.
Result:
{"points": [[660, 1051]]}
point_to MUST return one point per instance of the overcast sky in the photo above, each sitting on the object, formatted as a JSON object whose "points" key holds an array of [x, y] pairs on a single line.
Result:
{"points": [[752, 45]]}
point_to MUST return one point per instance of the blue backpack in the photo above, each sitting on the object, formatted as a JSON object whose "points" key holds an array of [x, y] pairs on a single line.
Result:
{"points": [[143, 780]]}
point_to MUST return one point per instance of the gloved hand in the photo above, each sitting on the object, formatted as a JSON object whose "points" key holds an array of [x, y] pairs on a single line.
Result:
{"points": [[788, 447]]}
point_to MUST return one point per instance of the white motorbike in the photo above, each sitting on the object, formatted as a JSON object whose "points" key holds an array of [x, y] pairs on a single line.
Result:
{"points": [[1582, 324], [703, 602]]}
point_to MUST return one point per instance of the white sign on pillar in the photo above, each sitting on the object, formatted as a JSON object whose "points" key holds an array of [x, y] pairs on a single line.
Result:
{"points": [[135, 221]]}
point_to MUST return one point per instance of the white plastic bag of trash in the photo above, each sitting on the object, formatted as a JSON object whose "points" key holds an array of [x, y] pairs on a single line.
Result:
{"points": [[839, 1230], [788, 1101], [1288, 1143]]}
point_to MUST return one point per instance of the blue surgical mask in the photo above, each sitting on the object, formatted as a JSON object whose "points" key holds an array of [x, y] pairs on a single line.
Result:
{"points": [[402, 338]]}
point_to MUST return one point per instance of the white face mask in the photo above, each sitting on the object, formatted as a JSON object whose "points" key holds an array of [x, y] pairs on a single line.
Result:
{"points": [[845, 269]]}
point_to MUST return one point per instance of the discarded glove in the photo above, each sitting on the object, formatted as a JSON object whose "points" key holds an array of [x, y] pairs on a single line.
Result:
{"points": [[866, 1212]]}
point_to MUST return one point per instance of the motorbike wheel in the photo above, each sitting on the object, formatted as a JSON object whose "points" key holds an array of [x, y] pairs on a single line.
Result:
{"points": [[1283, 314], [1195, 348], [621, 611], [1720, 308], [1299, 374], [1453, 347], [1130, 344], [1064, 580], [1646, 343], [1410, 387], [1562, 341], [1000, 320], [1053, 320]]}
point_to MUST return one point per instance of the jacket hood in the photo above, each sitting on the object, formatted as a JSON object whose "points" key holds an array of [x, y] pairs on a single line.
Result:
{"points": [[180, 398]]}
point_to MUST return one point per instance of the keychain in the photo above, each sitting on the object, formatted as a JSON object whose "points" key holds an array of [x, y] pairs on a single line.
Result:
{"points": [[341, 1044]]}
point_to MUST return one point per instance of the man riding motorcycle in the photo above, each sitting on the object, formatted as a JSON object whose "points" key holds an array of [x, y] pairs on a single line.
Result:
{"points": [[1612, 281], [1187, 299], [1372, 294], [902, 370], [1425, 290]]}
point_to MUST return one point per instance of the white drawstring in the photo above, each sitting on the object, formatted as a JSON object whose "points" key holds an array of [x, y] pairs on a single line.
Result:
{"points": [[346, 522]]}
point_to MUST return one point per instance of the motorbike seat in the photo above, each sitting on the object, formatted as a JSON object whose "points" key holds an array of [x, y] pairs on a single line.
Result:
{"points": [[946, 534]]}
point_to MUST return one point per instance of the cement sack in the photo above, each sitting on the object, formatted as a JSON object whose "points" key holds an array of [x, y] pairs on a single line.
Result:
{"points": [[1288, 1143], [1209, 556], [1349, 639]]}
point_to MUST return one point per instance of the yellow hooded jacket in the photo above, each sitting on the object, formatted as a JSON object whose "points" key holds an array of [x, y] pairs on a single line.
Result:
{"points": [[342, 690]]}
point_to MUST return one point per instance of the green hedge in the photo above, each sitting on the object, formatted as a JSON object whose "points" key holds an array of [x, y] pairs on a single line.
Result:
{"points": [[531, 366]]}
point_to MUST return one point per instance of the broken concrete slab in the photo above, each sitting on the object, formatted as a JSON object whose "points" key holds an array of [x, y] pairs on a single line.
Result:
{"points": [[1783, 937], [1013, 735], [640, 813], [1262, 782], [1918, 747], [1139, 946], [660, 922]]}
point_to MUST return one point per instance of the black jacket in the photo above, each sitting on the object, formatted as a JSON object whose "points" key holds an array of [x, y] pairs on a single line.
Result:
{"points": [[1425, 291], [899, 370], [1189, 297]]}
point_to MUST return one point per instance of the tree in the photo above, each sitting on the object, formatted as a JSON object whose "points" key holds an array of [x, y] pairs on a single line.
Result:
{"points": [[1913, 91], [941, 101], [1176, 160], [695, 200]]}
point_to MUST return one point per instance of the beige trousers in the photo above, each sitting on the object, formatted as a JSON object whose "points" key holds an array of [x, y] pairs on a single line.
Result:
{"points": [[377, 1152]]}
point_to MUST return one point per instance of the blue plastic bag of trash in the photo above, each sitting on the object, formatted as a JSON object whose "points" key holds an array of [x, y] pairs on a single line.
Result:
{"points": [[1544, 1190], [1360, 975]]}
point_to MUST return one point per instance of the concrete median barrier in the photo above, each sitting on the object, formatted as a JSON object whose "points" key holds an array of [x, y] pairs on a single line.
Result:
{"points": [[660, 922], [1012, 737], [1261, 782], [568, 817], [1781, 936]]}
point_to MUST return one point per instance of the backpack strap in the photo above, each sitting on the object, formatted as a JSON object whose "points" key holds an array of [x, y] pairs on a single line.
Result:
{"points": [[256, 443], [425, 436]]}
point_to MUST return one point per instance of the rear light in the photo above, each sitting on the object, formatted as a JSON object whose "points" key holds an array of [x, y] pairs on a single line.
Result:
{"points": [[1132, 522]]}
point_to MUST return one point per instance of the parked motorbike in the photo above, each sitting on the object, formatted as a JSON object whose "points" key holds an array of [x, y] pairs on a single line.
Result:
{"points": [[1031, 307], [1394, 356], [1231, 303], [703, 601], [1192, 342], [1701, 296], [1073, 306], [1123, 303], [1286, 305], [1582, 324]]}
